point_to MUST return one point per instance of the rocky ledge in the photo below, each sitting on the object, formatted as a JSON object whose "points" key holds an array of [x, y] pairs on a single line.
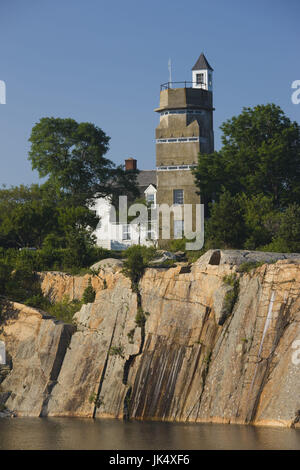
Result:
{"points": [[213, 344]]}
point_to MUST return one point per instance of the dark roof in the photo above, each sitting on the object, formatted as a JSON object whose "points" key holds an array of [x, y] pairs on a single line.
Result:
{"points": [[202, 63], [146, 177]]}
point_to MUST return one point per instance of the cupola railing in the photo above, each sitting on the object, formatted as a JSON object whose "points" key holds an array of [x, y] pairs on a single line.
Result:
{"points": [[167, 85]]}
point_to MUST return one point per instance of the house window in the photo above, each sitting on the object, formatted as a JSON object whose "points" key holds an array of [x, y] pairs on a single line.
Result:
{"points": [[150, 198], [126, 232], [178, 196], [199, 78], [178, 228]]}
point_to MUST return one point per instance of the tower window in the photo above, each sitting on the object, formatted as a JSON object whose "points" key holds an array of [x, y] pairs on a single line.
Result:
{"points": [[178, 196], [199, 78]]}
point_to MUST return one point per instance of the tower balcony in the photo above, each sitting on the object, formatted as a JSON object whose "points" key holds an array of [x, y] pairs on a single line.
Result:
{"points": [[186, 84], [185, 97]]}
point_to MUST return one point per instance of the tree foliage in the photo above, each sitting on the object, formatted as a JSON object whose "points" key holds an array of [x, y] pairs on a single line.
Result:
{"points": [[252, 185], [89, 293], [260, 155], [72, 156], [29, 217]]}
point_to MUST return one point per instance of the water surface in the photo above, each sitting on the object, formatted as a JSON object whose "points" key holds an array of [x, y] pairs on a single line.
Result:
{"points": [[77, 433]]}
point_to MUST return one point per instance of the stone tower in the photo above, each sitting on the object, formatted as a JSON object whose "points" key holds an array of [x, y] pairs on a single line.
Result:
{"points": [[184, 130]]}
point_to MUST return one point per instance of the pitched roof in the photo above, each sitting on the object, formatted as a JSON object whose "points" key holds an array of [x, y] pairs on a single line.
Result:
{"points": [[202, 63], [146, 177]]}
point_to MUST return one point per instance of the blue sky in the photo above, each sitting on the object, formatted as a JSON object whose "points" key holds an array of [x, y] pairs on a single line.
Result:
{"points": [[104, 61]]}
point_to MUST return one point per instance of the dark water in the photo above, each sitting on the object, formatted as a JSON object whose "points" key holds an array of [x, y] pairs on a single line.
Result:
{"points": [[77, 433]]}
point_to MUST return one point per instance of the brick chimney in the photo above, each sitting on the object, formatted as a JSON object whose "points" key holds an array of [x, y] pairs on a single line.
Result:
{"points": [[130, 164]]}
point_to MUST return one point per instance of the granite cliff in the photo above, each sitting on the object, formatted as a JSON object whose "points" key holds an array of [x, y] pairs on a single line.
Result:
{"points": [[218, 345]]}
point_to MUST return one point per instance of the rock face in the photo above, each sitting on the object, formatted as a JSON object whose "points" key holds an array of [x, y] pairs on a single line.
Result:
{"points": [[36, 344], [182, 364]]}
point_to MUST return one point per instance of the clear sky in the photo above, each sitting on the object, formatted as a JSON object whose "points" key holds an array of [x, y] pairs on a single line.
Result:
{"points": [[103, 62]]}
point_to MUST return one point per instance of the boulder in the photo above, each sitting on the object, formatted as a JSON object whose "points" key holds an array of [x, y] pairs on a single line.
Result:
{"points": [[238, 257], [109, 265]]}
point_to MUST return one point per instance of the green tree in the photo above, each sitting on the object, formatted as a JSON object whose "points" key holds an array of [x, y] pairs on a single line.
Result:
{"points": [[72, 156], [27, 215], [137, 259], [260, 155], [260, 218], [89, 293], [78, 245], [226, 227], [287, 238], [35, 216]]}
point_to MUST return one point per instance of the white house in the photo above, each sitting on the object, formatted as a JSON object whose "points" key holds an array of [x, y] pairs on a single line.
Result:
{"points": [[119, 236]]}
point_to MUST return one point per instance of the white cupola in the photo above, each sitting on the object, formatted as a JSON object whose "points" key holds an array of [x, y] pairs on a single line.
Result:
{"points": [[202, 74]]}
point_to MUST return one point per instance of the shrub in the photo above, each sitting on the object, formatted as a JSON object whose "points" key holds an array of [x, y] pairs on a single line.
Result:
{"points": [[64, 310], [177, 245], [194, 255], [89, 294], [249, 266], [141, 317], [137, 260], [232, 295], [96, 401], [131, 335], [230, 280], [117, 351]]}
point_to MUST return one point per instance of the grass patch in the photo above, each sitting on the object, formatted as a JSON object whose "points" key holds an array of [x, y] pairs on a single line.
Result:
{"points": [[64, 310], [230, 280], [117, 351], [248, 266]]}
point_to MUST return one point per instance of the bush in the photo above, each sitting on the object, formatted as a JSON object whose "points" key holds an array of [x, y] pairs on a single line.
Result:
{"points": [[232, 295], [89, 294], [96, 401], [140, 318], [137, 259], [230, 280], [176, 245], [22, 284], [131, 336], [249, 266], [64, 310], [117, 351]]}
